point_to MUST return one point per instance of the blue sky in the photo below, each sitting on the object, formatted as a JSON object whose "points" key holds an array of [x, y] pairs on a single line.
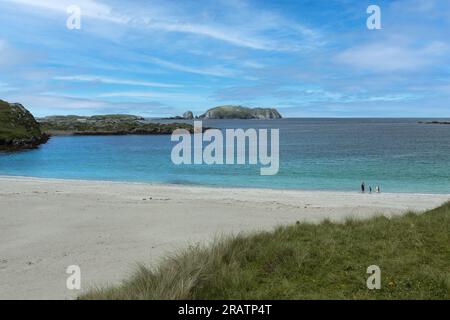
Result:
{"points": [[308, 58]]}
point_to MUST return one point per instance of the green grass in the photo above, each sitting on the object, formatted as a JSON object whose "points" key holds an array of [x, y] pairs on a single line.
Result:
{"points": [[307, 261], [16, 123]]}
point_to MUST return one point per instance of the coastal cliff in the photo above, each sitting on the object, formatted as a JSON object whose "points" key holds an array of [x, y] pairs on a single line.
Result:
{"points": [[240, 112], [18, 128]]}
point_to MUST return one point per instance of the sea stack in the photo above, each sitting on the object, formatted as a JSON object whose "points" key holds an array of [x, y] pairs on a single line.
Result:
{"points": [[188, 115]]}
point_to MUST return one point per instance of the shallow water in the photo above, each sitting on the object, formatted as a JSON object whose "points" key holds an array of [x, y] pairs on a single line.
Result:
{"points": [[400, 155]]}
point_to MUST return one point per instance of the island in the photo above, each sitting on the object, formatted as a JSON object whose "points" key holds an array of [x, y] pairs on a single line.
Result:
{"points": [[240, 112], [188, 115], [434, 122], [18, 128], [111, 124]]}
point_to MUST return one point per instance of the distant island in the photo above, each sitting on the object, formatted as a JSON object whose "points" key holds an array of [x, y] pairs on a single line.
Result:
{"points": [[434, 122], [18, 128], [232, 112], [188, 115], [240, 112]]}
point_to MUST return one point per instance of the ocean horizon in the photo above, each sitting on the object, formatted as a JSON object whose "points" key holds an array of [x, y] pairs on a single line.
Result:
{"points": [[398, 154]]}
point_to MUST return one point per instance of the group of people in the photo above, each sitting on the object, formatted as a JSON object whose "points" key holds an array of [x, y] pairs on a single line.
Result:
{"points": [[363, 188]]}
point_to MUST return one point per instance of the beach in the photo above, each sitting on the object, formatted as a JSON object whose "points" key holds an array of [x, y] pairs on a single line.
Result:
{"points": [[107, 228]]}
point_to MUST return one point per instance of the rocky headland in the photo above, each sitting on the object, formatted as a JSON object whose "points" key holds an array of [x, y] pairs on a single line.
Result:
{"points": [[18, 128]]}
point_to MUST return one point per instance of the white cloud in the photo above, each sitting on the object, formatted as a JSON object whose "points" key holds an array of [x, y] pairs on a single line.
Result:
{"points": [[217, 71], [89, 8], [392, 57], [152, 95], [248, 27], [107, 80], [226, 34]]}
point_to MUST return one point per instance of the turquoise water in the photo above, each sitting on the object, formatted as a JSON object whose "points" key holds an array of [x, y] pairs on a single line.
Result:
{"points": [[315, 154]]}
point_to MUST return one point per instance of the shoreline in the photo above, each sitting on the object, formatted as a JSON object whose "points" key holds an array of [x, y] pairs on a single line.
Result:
{"points": [[108, 227], [208, 186]]}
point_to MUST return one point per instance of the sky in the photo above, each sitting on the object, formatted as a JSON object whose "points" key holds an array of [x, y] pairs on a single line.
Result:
{"points": [[307, 58]]}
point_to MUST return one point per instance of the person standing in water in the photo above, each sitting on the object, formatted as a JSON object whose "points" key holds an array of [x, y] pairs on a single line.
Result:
{"points": [[363, 187], [370, 189], [377, 189]]}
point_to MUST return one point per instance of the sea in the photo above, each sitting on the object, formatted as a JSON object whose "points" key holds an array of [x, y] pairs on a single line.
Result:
{"points": [[398, 155]]}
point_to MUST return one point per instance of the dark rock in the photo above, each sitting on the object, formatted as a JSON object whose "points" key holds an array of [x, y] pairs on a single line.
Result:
{"points": [[188, 115]]}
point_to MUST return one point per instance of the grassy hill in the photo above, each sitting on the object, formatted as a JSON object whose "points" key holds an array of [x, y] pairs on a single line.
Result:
{"points": [[18, 128], [307, 261]]}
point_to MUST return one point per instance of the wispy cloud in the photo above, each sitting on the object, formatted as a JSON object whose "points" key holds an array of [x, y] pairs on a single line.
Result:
{"points": [[151, 95], [90, 8], [108, 80], [49, 104], [214, 32], [217, 71], [243, 34], [393, 57]]}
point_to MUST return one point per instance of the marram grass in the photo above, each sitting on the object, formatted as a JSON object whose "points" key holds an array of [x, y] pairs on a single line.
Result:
{"points": [[306, 261]]}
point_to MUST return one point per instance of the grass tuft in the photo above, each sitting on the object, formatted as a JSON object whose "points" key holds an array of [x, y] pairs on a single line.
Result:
{"points": [[306, 261]]}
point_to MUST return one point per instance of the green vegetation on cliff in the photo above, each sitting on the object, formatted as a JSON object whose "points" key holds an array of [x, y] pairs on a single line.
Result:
{"points": [[240, 112], [114, 124], [307, 261], [18, 128]]}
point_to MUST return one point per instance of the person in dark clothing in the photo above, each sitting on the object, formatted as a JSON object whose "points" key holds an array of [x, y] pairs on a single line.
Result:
{"points": [[363, 187]]}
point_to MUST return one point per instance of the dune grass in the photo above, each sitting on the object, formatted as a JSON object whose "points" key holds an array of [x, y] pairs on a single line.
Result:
{"points": [[307, 261]]}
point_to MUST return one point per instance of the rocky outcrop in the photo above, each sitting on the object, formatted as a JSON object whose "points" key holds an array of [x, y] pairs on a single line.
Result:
{"points": [[188, 115], [18, 128], [240, 112]]}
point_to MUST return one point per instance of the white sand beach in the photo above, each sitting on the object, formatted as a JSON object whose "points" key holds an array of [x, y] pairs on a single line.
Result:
{"points": [[106, 227]]}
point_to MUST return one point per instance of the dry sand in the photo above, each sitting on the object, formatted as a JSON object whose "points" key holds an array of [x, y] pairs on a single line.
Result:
{"points": [[106, 228]]}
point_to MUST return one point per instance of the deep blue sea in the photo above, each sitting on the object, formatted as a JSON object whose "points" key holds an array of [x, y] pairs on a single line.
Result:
{"points": [[400, 155]]}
